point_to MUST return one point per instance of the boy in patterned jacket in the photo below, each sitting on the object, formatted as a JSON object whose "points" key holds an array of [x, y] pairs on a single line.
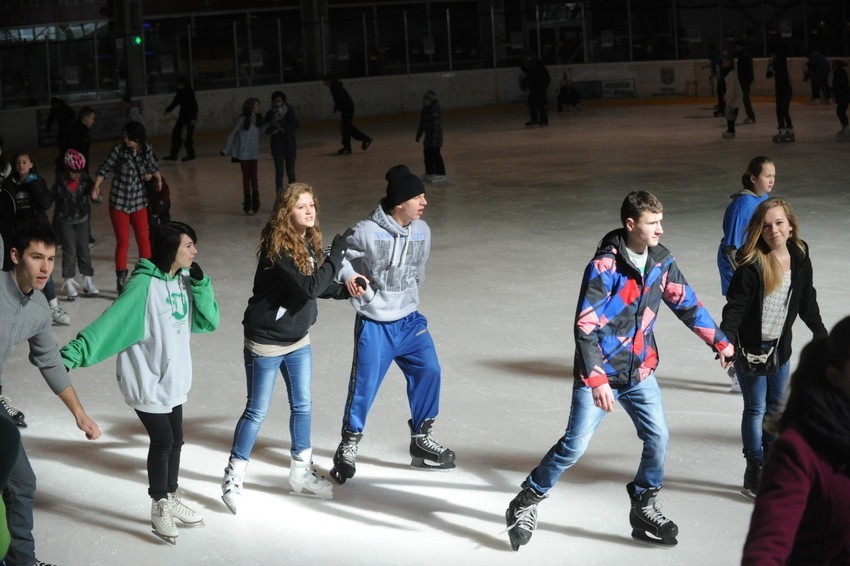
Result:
{"points": [[615, 360]]}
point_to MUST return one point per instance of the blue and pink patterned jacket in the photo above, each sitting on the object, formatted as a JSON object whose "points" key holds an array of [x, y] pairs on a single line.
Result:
{"points": [[616, 314]]}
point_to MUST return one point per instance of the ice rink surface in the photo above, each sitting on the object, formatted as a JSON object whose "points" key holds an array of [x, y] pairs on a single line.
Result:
{"points": [[512, 233]]}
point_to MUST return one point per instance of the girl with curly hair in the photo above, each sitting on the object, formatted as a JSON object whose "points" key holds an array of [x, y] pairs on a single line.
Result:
{"points": [[290, 276]]}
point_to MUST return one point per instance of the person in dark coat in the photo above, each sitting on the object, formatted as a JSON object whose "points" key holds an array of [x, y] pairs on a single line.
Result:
{"points": [[746, 76], [777, 69], [345, 106], [431, 126], [282, 121], [60, 114], [188, 116], [536, 81], [817, 73], [841, 90]]}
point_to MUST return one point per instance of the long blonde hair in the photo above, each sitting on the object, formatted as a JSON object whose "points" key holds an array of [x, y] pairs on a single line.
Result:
{"points": [[279, 236], [755, 250]]}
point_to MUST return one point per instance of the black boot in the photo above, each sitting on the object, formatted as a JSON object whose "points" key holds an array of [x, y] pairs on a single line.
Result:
{"points": [[255, 204], [246, 204], [120, 279], [345, 458], [752, 475], [648, 523], [521, 516], [423, 447]]}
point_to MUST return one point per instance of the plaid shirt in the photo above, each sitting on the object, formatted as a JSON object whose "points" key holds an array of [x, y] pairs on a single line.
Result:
{"points": [[128, 188]]}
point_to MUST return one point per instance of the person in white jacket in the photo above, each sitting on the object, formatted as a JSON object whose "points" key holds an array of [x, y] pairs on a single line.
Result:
{"points": [[243, 145]]}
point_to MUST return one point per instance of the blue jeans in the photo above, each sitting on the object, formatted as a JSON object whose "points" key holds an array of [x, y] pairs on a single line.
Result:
{"points": [[642, 402], [261, 374], [761, 394]]}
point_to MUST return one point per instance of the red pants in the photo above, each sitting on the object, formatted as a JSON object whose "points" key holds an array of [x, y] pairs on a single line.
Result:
{"points": [[249, 178], [121, 222]]}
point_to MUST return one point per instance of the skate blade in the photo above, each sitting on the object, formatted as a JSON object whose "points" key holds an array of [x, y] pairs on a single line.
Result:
{"points": [[310, 494], [230, 505], [423, 464], [642, 536], [170, 540], [183, 523], [748, 494]]}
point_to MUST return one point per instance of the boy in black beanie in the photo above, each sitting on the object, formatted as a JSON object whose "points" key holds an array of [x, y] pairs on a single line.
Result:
{"points": [[382, 270]]}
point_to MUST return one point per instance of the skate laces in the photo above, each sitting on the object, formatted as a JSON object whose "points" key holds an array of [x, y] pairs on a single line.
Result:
{"points": [[525, 518], [177, 505], [425, 441], [348, 451], [653, 513], [163, 507], [6, 403]]}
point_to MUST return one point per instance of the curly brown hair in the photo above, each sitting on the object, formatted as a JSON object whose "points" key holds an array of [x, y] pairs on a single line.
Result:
{"points": [[279, 237]]}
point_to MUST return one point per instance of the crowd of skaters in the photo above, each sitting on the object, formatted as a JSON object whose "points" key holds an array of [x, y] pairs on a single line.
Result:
{"points": [[631, 254]]}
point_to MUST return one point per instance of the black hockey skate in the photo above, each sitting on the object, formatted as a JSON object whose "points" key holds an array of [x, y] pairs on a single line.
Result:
{"points": [[14, 414], [752, 475], [648, 523], [425, 452], [521, 516], [345, 458]]}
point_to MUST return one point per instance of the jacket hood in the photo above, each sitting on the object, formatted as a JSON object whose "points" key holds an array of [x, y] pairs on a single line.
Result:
{"points": [[146, 267], [614, 243], [387, 222]]}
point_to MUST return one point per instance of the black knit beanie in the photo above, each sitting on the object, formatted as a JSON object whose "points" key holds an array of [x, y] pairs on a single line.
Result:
{"points": [[402, 185]]}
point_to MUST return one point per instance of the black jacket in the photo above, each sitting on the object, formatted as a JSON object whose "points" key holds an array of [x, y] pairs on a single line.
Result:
{"points": [[281, 285], [185, 99], [342, 100], [744, 300]]}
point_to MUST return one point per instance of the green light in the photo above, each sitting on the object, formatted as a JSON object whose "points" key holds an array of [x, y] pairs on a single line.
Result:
{"points": [[137, 40]]}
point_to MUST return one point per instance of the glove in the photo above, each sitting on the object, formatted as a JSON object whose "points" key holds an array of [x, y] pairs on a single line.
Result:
{"points": [[195, 272], [339, 245]]}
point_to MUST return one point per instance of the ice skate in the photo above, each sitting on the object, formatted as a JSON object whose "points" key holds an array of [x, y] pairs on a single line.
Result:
{"points": [[182, 512], [16, 415], [752, 475], [521, 516], [69, 289], [648, 523], [426, 453], [162, 523], [345, 458], [89, 290], [120, 279], [60, 317], [727, 135], [303, 477], [231, 484]]}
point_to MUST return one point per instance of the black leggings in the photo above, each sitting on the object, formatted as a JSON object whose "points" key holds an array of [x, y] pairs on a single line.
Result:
{"points": [[166, 434]]}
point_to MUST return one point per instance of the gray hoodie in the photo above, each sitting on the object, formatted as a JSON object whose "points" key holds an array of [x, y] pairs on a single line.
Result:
{"points": [[393, 258], [27, 317]]}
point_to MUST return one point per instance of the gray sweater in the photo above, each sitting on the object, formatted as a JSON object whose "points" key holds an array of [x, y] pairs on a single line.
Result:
{"points": [[27, 317]]}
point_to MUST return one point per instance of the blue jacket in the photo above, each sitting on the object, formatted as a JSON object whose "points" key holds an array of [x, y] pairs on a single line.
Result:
{"points": [[616, 312], [735, 220]]}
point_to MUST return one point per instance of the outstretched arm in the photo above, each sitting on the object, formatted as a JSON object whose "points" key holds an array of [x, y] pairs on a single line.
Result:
{"points": [[84, 422]]}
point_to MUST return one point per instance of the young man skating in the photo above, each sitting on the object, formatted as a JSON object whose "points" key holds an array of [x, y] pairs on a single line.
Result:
{"points": [[382, 270], [615, 360]]}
